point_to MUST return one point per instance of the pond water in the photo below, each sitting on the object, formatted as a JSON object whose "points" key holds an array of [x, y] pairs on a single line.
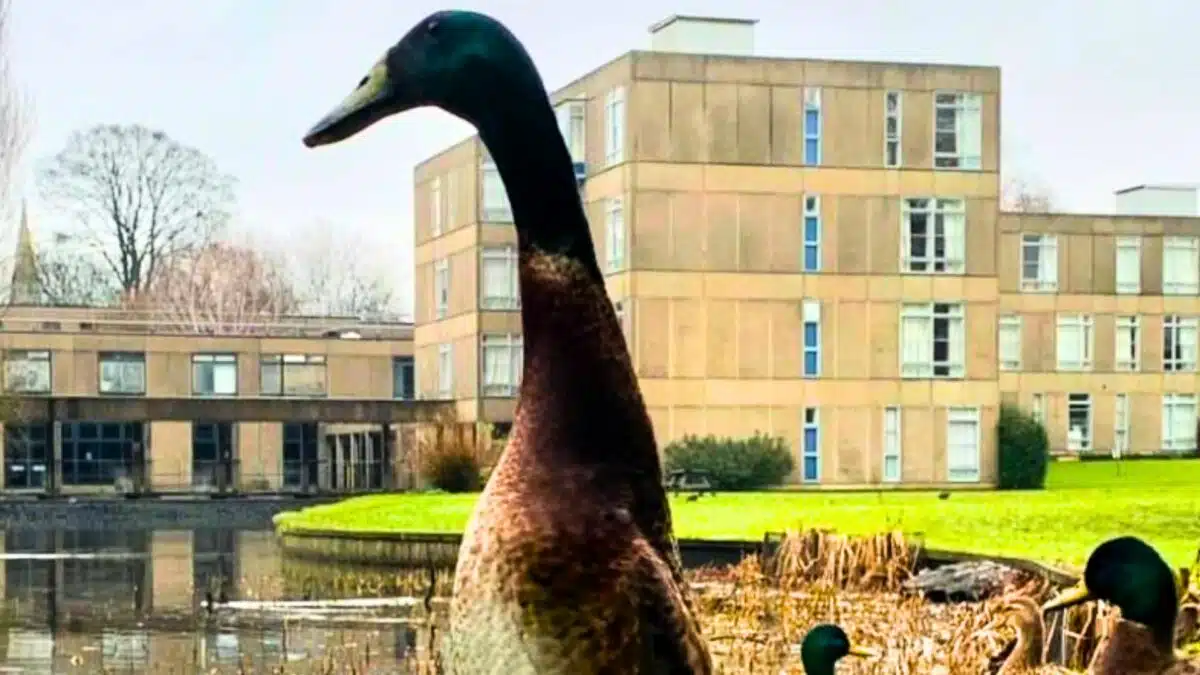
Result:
{"points": [[195, 600]]}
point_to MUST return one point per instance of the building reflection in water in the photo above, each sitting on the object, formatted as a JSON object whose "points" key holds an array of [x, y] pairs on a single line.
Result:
{"points": [[133, 602]]}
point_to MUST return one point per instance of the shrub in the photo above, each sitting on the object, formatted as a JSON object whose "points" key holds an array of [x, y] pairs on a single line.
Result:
{"points": [[1024, 450], [733, 464], [455, 457]]}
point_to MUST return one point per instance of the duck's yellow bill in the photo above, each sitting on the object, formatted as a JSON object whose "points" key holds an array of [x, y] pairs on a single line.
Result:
{"points": [[863, 652], [1076, 595]]}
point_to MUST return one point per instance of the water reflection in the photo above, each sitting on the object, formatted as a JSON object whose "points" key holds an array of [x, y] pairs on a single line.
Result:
{"points": [[137, 601]]}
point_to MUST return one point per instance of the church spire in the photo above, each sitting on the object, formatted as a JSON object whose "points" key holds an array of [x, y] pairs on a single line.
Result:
{"points": [[25, 288]]}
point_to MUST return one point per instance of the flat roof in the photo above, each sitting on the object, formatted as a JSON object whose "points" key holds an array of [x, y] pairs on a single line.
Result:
{"points": [[1158, 186], [659, 25]]}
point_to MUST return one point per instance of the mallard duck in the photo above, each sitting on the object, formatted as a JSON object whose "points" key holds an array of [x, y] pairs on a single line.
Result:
{"points": [[824, 645], [568, 563], [1130, 574], [1026, 652]]}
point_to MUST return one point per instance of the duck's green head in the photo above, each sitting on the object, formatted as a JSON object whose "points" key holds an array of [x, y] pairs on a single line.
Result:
{"points": [[462, 62], [824, 645], [1130, 574]]}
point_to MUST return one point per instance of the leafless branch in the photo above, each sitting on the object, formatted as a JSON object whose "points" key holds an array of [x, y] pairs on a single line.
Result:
{"points": [[333, 279], [15, 118], [141, 197], [1022, 196], [220, 289], [74, 278]]}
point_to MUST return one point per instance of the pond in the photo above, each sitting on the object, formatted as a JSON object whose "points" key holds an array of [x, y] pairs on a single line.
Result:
{"points": [[192, 600]]}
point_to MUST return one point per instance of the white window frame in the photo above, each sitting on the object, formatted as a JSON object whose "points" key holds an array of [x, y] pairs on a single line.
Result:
{"points": [[1082, 362], [445, 370], [223, 363], [811, 314], [1008, 342], [501, 380], [1184, 333], [1187, 253], [915, 315], [614, 126], [963, 415], [28, 371], [1085, 442], [812, 103], [968, 130], [1128, 265], [572, 117], [893, 444], [1173, 406], [1038, 405], [121, 373], [499, 262], [441, 288], [614, 233], [814, 424], [812, 209], [451, 219], [893, 149], [947, 215], [1120, 426], [493, 200], [435, 206], [1046, 246], [1130, 326]]}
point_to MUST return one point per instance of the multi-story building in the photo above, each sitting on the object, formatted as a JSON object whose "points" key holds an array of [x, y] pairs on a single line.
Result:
{"points": [[813, 249], [100, 398]]}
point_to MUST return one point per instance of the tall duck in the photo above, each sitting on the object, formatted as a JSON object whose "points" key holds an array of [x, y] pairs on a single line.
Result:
{"points": [[568, 564], [1130, 574]]}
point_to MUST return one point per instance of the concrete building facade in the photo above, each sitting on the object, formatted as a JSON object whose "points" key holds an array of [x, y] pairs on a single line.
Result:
{"points": [[815, 250]]}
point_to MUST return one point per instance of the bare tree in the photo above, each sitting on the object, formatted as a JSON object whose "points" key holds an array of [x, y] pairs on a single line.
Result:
{"points": [[140, 197], [220, 289], [15, 118], [67, 276], [332, 277], [1020, 195]]}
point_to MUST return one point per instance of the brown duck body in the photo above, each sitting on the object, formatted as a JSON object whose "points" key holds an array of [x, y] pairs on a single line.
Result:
{"points": [[1132, 649], [1025, 653], [568, 564]]}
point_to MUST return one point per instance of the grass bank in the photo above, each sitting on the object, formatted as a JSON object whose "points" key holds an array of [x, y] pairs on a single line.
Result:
{"points": [[1084, 503]]}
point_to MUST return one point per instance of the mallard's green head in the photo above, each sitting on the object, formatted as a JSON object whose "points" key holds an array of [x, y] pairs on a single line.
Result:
{"points": [[1130, 574], [824, 645], [463, 62]]}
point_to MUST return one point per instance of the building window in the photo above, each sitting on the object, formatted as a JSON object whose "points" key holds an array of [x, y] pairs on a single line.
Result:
{"points": [[1010, 343], [441, 288], [1179, 422], [1039, 407], [811, 451], [502, 361], [1128, 343], [931, 338], [891, 444], [1129, 265], [1039, 263], [812, 233], [1075, 341], [1181, 266], [934, 235], [1179, 343], [451, 218], [614, 228], [571, 124], [404, 378], [891, 130], [496, 208], [27, 453], [122, 373], [812, 126], [27, 371], [962, 445], [958, 130], [499, 274], [435, 205], [445, 381], [614, 126], [1079, 422], [1120, 426], [292, 374], [812, 338], [214, 374]]}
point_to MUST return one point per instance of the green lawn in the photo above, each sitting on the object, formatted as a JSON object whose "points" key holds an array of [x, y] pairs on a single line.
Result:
{"points": [[1084, 503]]}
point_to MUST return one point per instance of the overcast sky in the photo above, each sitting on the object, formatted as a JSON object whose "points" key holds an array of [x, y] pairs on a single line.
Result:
{"points": [[1096, 95]]}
